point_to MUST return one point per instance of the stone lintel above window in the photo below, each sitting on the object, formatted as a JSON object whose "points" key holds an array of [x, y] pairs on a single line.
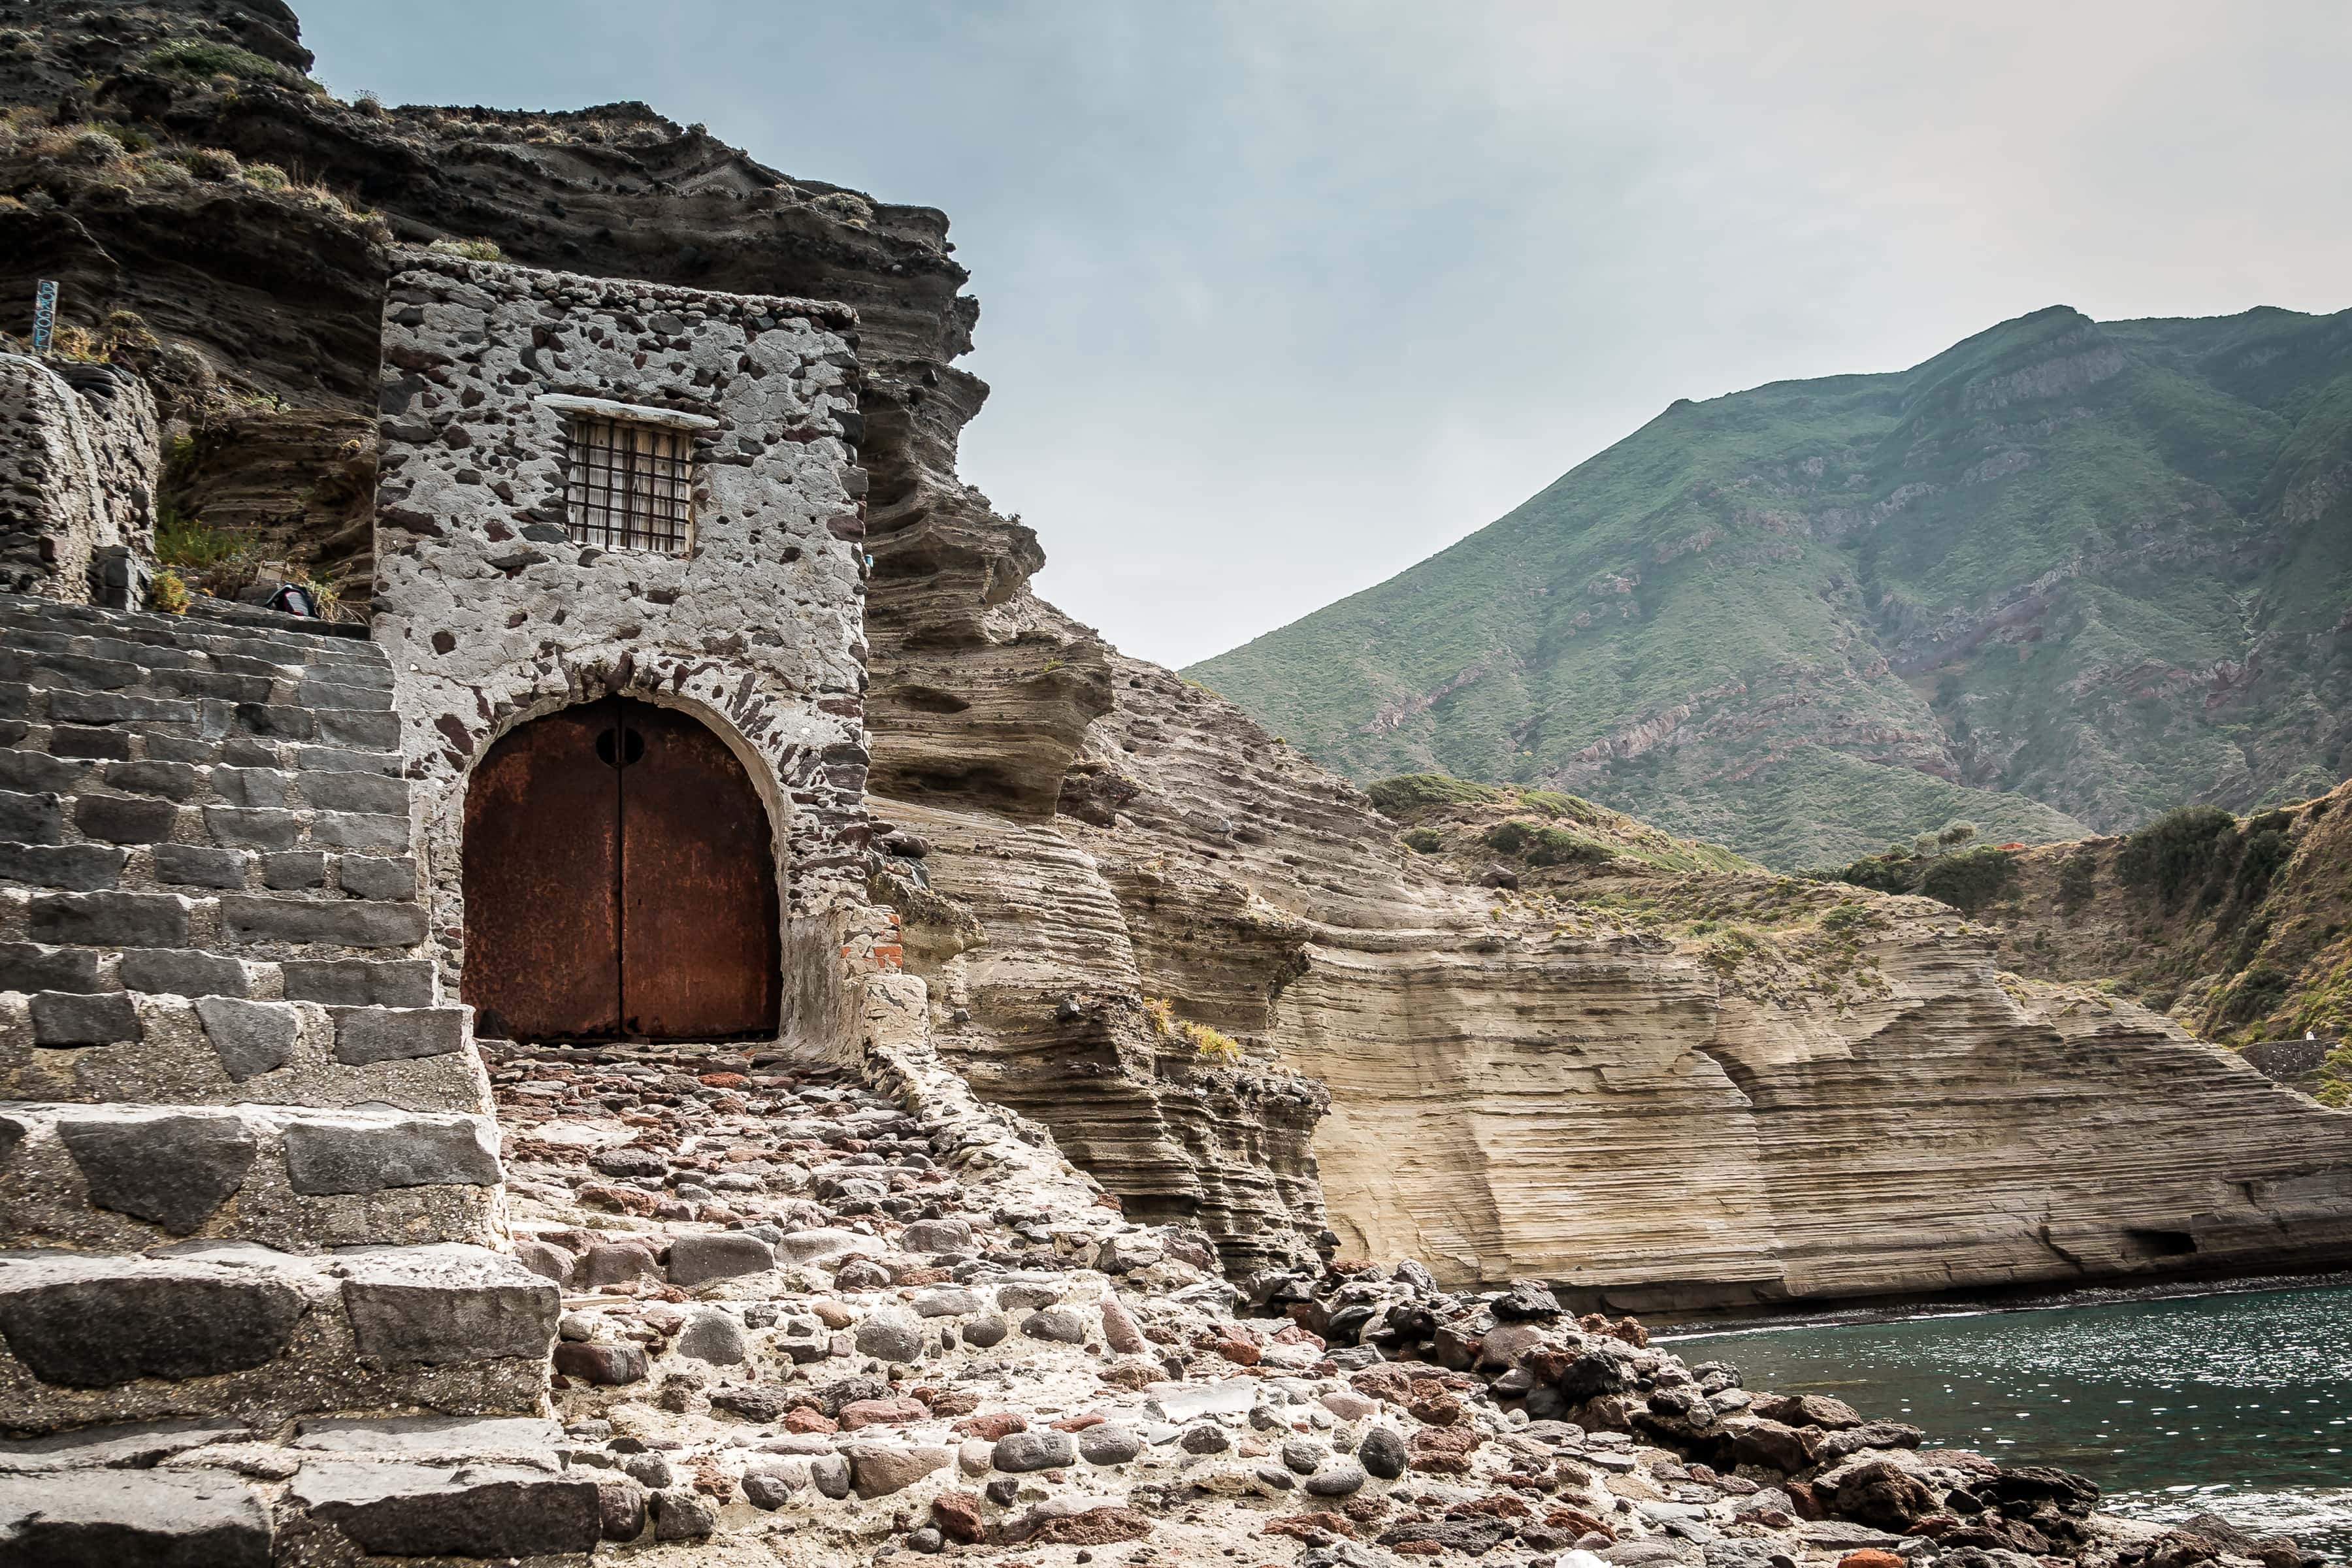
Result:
{"points": [[626, 413]]}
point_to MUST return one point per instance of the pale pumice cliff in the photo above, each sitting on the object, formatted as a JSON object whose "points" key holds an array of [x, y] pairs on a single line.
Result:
{"points": [[1568, 1087]]}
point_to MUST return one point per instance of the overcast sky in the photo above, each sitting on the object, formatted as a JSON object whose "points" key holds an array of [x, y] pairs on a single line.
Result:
{"points": [[1280, 296]]}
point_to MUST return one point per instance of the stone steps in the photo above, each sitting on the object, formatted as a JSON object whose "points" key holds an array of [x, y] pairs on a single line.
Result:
{"points": [[229, 1328], [133, 1048], [246, 1164], [203, 1492], [121, 1178]]}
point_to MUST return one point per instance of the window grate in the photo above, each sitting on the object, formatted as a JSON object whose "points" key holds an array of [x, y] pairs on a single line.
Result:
{"points": [[630, 486]]}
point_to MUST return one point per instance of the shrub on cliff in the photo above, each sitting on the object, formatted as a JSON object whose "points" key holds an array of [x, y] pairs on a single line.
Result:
{"points": [[203, 58], [1407, 795], [1896, 871], [2178, 850], [2257, 991], [2267, 849], [1969, 880], [1213, 1044], [2077, 878], [1546, 846]]}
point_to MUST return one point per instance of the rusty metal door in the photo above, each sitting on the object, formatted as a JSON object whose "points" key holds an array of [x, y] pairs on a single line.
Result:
{"points": [[619, 882], [699, 931], [542, 860]]}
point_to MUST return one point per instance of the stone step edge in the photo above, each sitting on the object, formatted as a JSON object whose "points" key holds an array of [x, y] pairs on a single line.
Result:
{"points": [[119, 1176], [193, 1329]]}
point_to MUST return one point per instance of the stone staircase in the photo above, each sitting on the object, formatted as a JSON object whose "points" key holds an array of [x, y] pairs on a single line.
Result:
{"points": [[251, 1305]]}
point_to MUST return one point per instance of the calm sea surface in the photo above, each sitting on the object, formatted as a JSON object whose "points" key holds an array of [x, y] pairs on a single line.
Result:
{"points": [[2239, 1404]]}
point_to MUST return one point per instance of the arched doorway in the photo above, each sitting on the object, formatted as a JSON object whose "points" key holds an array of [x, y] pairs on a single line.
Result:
{"points": [[619, 882]]}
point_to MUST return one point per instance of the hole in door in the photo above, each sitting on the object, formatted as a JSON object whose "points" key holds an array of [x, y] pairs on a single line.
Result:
{"points": [[619, 882]]}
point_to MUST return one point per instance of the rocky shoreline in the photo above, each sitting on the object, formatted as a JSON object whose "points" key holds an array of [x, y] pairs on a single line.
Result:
{"points": [[809, 1306]]}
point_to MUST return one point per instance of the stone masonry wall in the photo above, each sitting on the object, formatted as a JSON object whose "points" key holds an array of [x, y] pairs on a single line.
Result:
{"points": [[79, 456], [494, 614]]}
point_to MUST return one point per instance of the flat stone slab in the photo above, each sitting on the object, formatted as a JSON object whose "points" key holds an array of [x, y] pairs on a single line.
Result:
{"points": [[397, 1510], [207, 1327], [98, 1321], [420, 1436], [97, 1177], [112, 1518], [132, 1445], [448, 1303], [1183, 1401]]}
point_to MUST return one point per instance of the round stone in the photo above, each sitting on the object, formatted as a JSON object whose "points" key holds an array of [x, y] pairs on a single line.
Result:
{"points": [[1017, 1453], [1057, 1325], [1204, 1437], [713, 1336], [890, 1336], [1340, 1478], [1109, 1444], [1383, 1453]]}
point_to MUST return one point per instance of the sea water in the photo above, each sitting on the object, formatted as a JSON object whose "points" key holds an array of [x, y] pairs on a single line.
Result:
{"points": [[2239, 1404]]}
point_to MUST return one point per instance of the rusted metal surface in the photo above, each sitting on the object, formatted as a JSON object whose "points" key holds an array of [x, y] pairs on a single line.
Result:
{"points": [[620, 882], [700, 955], [542, 885]]}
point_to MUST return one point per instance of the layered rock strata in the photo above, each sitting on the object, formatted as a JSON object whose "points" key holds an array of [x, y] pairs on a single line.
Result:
{"points": [[79, 458], [1569, 1084]]}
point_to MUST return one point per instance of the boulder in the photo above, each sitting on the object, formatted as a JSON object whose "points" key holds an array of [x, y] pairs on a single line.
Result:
{"points": [[1881, 1492], [1017, 1453]]}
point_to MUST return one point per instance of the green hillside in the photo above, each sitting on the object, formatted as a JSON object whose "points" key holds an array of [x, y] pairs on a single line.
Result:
{"points": [[2062, 576]]}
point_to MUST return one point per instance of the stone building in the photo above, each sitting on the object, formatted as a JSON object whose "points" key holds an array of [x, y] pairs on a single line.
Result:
{"points": [[620, 578]]}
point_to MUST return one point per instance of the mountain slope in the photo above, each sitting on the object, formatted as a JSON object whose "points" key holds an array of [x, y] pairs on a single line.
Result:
{"points": [[2058, 578]]}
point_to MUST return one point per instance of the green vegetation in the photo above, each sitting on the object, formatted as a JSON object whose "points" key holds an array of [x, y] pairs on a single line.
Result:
{"points": [[2178, 850], [471, 250], [2078, 876], [1939, 866], [1406, 797], [1214, 1045], [1433, 803], [203, 58], [1970, 879], [1546, 846], [1719, 625], [2335, 1078], [217, 562]]}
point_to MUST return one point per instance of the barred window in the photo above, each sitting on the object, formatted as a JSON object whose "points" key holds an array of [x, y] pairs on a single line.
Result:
{"points": [[629, 485]]}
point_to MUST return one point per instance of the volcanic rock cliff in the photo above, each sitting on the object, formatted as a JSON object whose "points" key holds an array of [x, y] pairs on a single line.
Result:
{"points": [[1207, 966]]}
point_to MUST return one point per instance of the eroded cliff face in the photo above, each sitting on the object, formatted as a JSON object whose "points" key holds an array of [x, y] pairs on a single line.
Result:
{"points": [[1658, 1089]]}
